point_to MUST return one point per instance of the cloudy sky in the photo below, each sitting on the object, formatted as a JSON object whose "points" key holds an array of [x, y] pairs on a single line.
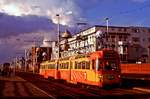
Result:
{"points": [[25, 21]]}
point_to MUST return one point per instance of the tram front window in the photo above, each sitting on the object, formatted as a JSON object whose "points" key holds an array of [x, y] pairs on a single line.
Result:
{"points": [[110, 66]]}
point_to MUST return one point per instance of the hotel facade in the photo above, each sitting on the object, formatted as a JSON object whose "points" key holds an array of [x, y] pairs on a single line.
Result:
{"points": [[132, 43]]}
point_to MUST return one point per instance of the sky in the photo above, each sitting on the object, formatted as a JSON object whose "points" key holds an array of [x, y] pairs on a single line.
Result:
{"points": [[24, 21]]}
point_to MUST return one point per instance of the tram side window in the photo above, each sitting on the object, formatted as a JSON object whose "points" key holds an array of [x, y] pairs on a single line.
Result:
{"points": [[87, 65], [48, 66], [62, 65], [79, 65], [59, 65], [53, 65], [45, 66], [83, 65], [42, 66], [76, 65], [67, 64]]}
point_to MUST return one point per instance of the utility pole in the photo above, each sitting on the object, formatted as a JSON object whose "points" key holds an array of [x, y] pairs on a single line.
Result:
{"points": [[107, 19], [25, 64], [58, 31]]}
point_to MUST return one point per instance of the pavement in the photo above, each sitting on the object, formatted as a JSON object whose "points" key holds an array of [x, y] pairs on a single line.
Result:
{"points": [[15, 86]]}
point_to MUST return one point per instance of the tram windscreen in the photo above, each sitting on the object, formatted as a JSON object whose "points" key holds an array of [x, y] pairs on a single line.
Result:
{"points": [[111, 65], [111, 60]]}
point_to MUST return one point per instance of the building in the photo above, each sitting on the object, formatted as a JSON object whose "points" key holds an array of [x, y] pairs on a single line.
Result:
{"points": [[40, 53], [132, 43]]}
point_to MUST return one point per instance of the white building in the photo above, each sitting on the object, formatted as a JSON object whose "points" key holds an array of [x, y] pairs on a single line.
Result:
{"points": [[132, 43]]}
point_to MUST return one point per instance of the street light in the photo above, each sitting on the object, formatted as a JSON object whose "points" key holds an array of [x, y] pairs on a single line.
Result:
{"points": [[107, 19], [25, 60], [58, 31]]}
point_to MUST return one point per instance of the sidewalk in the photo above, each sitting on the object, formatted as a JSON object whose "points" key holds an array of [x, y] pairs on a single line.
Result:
{"points": [[15, 86]]}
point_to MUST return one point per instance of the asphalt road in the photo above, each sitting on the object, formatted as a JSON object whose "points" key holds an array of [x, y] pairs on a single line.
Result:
{"points": [[28, 85]]}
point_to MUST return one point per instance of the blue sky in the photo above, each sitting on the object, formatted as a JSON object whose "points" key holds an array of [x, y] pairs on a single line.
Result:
{"points": [[28, 20], [120, 12]]}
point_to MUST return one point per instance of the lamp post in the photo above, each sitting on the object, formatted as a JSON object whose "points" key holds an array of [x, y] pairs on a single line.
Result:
{"points": [[107, 19], [58, 31], [25, 60]]}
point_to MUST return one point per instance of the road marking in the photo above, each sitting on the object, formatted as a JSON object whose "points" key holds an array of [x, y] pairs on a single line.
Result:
{"points": [[142, 89]]}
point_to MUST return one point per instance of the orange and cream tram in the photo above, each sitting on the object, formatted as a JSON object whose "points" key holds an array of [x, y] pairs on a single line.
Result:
{"points": [[98, 68]]}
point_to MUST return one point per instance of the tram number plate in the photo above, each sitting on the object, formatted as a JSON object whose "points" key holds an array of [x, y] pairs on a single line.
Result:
{"points": [[110, 77]]}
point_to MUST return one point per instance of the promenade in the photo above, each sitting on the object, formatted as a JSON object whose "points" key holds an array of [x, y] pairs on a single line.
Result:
{"points": [[16, 87]]}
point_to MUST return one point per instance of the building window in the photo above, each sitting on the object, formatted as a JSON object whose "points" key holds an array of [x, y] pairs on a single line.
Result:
{"points": [[112, 29], [124, 29], [136, 39], [136, 49], [125, 39], [143, 31], [120, 38], [113, 38], [149, 39], [149, 30], [135, 30], [119, 29]]}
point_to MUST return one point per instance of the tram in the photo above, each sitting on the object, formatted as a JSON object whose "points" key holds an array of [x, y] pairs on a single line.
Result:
{"points": [[100, 68]]}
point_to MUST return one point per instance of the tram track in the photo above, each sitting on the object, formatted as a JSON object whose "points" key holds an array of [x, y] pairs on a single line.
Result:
{"points": [[60, 89]]}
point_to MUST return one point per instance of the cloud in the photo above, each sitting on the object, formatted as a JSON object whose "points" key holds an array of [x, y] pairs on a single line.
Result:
{"points": [[47, 8], [17, 32], [15, 45], [26, 20], [14, 25]]}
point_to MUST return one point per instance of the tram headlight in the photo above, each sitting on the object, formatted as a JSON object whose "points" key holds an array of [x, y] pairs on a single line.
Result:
{"points": [[100, 76]]}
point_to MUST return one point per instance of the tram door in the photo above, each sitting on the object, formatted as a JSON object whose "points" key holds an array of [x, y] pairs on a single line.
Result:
{"points": [[94, 68]]}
